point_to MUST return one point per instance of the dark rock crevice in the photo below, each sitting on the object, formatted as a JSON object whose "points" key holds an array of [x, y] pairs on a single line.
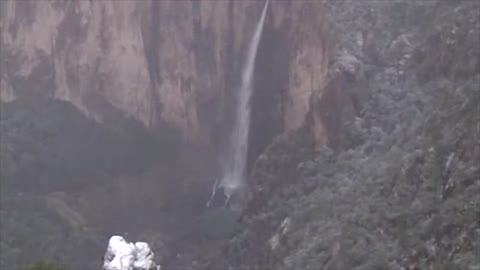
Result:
{"points": [[151, 42], [270, 87], [151, 47]]}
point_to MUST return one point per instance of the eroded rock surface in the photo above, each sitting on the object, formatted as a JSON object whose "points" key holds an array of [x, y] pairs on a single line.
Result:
{"points": [[170, 61]]}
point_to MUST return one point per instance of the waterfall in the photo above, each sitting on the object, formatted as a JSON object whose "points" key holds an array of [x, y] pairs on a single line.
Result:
{"points": [[234, 172]]}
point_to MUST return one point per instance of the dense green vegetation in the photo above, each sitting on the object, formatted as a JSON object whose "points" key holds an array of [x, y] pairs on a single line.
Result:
{"points": [[57, 167], [45, 265]]}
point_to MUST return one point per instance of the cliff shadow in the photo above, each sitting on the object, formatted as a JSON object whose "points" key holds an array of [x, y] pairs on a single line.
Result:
{"points": [[271, 83]]}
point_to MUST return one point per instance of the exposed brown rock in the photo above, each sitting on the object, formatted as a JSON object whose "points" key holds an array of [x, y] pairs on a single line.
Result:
{"points": [[159, 60]]}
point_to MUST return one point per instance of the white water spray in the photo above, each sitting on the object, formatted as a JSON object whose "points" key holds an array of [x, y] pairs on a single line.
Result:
{"points": [[234, 172]]}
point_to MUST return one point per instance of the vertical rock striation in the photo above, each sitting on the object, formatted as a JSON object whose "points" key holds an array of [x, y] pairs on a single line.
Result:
{"points": [[162, 61]]}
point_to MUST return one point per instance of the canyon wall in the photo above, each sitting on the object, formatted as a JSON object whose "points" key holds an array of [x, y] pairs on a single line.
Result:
{"points": [[166, 61]]}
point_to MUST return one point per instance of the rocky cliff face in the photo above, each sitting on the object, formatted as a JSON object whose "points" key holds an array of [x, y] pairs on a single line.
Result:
{"points": [[170, 61]]}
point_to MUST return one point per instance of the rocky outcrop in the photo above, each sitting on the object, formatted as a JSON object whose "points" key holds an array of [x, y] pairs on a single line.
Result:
{"points": [[165, 61]]}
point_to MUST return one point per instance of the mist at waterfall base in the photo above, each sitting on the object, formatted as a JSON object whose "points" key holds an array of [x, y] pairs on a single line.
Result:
{"points": [[234, 169]]}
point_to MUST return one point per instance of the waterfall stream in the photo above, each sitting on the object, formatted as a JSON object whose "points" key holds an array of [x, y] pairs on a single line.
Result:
{"points": [[234, 171]]}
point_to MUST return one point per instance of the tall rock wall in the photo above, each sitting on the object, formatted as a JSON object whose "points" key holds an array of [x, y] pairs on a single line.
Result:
{"points": [[171, 61]]}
